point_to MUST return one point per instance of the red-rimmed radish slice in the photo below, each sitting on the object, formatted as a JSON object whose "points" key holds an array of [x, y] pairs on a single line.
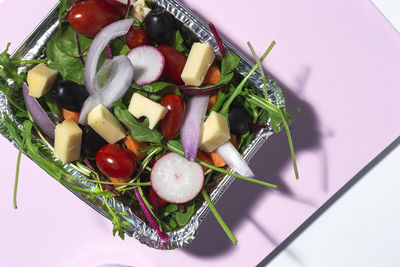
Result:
{"points": [[228, 153], [148, 64], [175, 179]]}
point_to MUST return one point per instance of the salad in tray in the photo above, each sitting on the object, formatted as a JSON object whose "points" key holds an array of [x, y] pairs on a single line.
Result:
{"points": [[149, 116]]}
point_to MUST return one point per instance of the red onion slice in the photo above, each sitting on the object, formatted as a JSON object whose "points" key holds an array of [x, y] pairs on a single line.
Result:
{"points": [[117, 75], [38, 114], [232, 157], [150, 218], [193, 125], [107, 34]]}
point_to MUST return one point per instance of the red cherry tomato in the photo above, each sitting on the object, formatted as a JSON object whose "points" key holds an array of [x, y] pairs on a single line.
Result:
{"points": [[136, 36], [155, 200], [89, 17], [174, 63], [172, 121], [115, 161]]}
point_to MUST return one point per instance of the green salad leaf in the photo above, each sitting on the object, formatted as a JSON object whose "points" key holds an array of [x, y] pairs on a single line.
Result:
{"points": [[138, 130]]}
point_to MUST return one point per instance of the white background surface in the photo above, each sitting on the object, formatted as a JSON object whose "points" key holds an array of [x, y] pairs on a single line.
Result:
{"points": [[338, 237], [391, 10]]}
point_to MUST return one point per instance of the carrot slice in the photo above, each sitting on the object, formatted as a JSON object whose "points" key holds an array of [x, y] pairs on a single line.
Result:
{"points": [[119, 180], [70, 115], [213, 75], [212, 101], [134, 145]]}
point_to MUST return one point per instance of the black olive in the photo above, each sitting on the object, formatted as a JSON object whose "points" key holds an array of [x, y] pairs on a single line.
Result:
{"points": [[239, 120], [91, 143], [160, 26], [69, 95]]}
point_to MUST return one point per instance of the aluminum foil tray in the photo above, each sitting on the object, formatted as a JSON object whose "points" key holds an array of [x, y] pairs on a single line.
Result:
{"points": [[192, 27]]}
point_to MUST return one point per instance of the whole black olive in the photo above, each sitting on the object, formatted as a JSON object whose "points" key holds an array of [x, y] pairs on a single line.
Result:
{"points": [[91, 143], [69, 95], [239, 120], [160, 26]]}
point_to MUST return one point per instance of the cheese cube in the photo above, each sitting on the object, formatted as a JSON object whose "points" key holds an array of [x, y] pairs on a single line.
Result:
{"points": [[215, 132], [140, 10], [200, 58], [40, 80], [141, 106], [105, 124], [67, 141]]}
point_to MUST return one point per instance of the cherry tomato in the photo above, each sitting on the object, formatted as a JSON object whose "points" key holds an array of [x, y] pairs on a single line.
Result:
{"points": [[174, 63], [172, 121], [155, 200], [136, 36], [89, 17], [115, 161]]}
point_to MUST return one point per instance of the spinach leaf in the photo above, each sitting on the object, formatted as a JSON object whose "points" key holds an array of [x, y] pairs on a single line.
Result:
{"points": [[138, 130], [63, 55], [179, 43], [228, 66], [182, 218]]}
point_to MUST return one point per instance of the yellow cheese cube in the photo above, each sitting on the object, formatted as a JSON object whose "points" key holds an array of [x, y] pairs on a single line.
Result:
{"points": [[40, 80], [67, 141], [200, 58], [105, 124], [141, 106], [215, 132]]}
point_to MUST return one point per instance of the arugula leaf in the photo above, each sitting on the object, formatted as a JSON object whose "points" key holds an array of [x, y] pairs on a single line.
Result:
{"points": [[228, 66], [138, 130], [8, 68], [62, 10]]}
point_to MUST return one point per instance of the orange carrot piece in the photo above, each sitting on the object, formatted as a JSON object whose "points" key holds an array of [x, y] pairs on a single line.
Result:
{"points": [[212, 101], [119, 180], [70, 115], [134, 145], [213, 75]]}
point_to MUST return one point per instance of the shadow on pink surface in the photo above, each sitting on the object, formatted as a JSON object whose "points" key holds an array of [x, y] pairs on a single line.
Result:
{"points": [[271, 159]]}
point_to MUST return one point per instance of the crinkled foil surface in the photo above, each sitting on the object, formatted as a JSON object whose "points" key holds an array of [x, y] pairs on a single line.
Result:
{"points": [[192, 27]]}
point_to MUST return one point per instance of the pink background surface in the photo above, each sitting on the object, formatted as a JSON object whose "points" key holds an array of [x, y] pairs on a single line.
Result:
{"points": [[337, 61]]}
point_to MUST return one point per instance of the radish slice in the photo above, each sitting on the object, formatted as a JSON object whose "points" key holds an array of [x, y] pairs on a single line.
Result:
{"points": [[116, 75], [38, 114], [228, 153], [107, 34], [148, 64], [175, 179], [193, 125]]}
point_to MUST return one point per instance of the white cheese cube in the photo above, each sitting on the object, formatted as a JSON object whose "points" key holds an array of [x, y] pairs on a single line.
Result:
{"points": [[200, 58], [67, 141], [141, 106], [140, 10], [40, 80], [105, 124], [215, 132]]}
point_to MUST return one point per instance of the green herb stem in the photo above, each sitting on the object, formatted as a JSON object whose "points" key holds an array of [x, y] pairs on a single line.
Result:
{"points": [[225, 108], [218, 217], [271, 108], [260, 67], [17, 173], [29, 61]]}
